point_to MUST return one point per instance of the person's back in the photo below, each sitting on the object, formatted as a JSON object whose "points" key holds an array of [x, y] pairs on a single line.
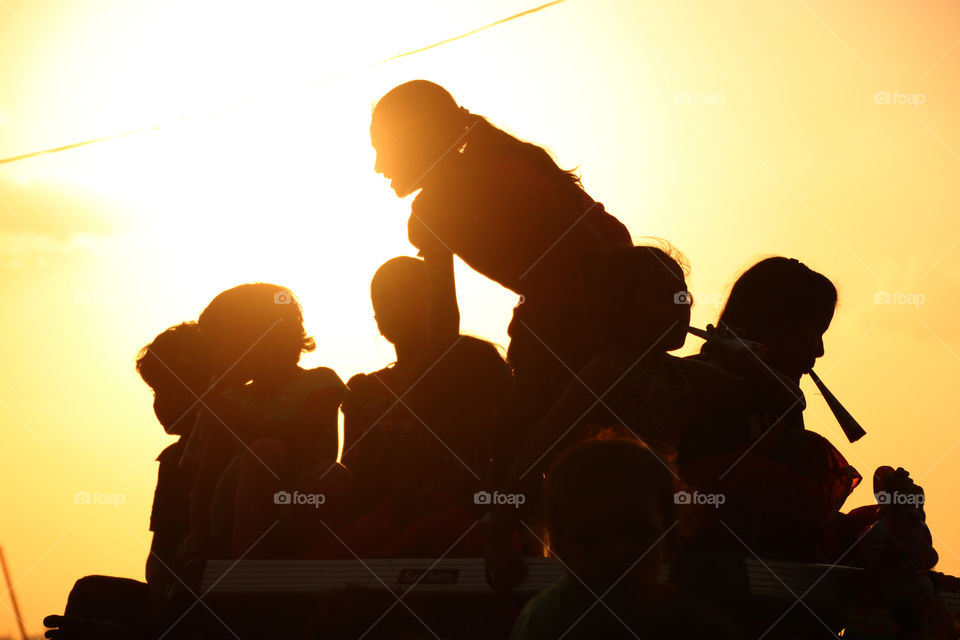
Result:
{"points": [[514, 222]]}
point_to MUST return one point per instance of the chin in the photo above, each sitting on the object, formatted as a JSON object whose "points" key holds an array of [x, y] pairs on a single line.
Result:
{"points": [[676, 342], [398, 187]]}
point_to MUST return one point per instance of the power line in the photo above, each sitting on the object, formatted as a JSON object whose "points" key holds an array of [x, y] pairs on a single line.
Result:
{"points": [[139, 130]]}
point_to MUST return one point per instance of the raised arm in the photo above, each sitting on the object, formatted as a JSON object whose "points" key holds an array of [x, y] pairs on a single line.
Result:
{"points": [[444, 312]]}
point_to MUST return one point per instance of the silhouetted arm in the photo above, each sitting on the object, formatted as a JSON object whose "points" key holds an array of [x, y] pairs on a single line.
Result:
{"points": [[442, 291]]}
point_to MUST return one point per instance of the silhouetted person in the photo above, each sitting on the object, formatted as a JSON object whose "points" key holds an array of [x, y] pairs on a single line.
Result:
{"points": [[783, 486], [506, 209], [796, 478], [611, 517], [268, 428], [420, 434], [898, 598], [639, 296], [176, 367]]}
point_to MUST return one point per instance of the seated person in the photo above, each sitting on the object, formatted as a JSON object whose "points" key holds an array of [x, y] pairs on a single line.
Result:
{"points": [[419, 435], [784, 485], [635, 382], [610, 516], [176, 368], [270, 428], [899, 595]]}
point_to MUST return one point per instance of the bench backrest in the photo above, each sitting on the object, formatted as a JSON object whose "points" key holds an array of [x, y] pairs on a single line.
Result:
{"points": [[767, 579]]}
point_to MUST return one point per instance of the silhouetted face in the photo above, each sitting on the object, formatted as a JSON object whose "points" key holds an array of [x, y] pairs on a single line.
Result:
{"points": [[409, 149], [659, 315], [176, 408], [400, 309], [797, 348], [612, 531]]}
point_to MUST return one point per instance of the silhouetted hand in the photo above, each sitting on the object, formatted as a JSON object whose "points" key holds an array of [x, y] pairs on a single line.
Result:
{"points": [[503, 565], [734, 353]]}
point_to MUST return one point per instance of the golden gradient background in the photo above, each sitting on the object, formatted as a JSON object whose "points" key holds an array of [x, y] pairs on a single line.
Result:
{"points": [[782, 149]]}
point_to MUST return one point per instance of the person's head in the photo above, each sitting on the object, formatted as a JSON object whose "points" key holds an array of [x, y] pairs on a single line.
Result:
{"points": [[176, 367], [417, 127], [398, 292], [254, 330], [472, 376], [609, 503], [639, 297], [785, 305]]}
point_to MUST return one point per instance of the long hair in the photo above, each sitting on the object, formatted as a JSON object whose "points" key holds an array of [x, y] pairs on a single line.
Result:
{"points": [[485, 140], [773, 292]]}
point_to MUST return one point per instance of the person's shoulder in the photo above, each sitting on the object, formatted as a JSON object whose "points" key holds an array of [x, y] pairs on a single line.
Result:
{"points": [[360, 381], [363, 387], [320, 377], [701, 367], [477, 350]]}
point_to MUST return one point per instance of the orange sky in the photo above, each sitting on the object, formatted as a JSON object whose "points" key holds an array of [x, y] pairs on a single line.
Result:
{"points": [[734, 130]]}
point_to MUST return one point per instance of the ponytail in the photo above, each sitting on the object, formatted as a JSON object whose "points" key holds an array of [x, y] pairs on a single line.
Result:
{"points": [[485, 140]]}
